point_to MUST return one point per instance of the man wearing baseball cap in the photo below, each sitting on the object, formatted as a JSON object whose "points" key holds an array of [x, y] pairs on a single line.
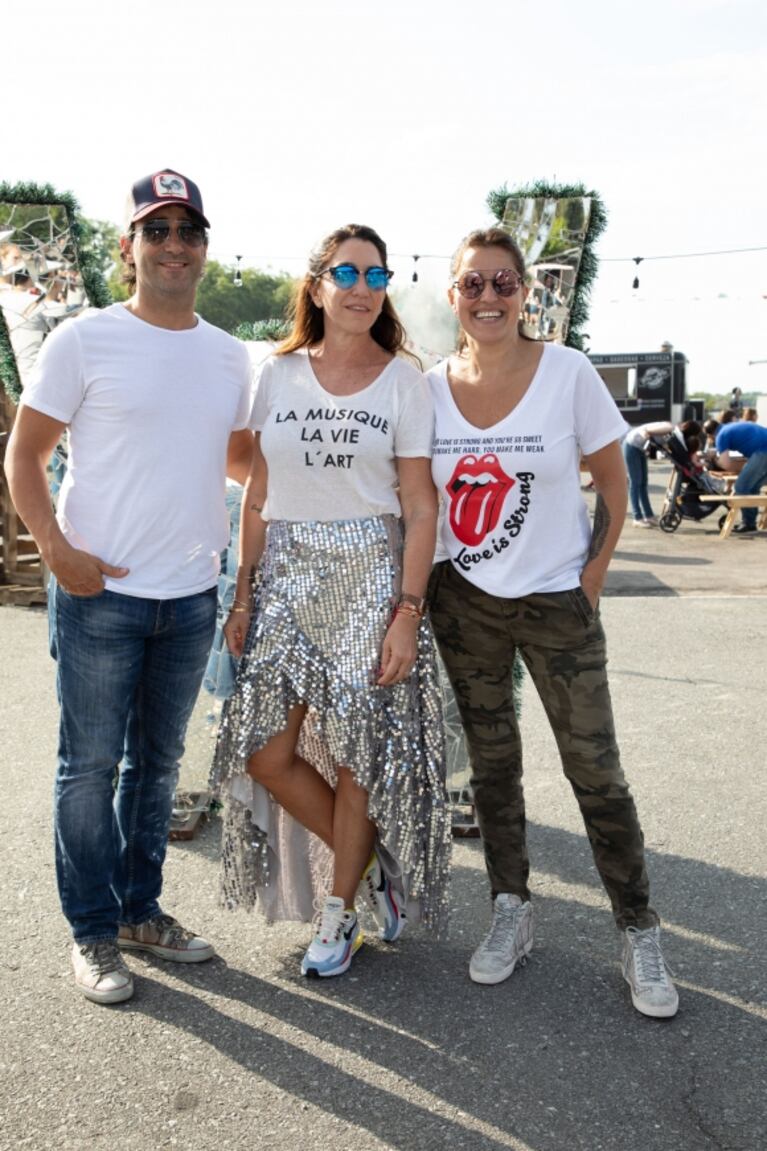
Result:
{"points": [[156, 402]]}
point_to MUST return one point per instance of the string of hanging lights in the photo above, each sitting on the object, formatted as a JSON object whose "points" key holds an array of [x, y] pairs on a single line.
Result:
{"points": [[637, 260]]}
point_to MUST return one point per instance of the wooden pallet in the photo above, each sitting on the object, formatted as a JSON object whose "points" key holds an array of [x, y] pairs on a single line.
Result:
{"points": [[189, 810], [22, 578]]}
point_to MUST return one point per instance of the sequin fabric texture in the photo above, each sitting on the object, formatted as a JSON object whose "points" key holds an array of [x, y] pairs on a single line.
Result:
{"points": [[322, 608]]}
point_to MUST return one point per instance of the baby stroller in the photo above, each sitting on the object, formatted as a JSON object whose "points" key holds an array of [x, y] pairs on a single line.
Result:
{"points": [[687, 483]]}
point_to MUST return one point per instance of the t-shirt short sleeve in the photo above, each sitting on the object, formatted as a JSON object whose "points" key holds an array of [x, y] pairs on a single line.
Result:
{"points": [[414, 435], [598, 421], [261, 394], [57, 386], [242, 418]]}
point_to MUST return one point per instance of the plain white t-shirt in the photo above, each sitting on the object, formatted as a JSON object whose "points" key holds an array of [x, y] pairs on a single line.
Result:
{"points": [[334, 457], [150, 412], [514, 520], [637, 436]]}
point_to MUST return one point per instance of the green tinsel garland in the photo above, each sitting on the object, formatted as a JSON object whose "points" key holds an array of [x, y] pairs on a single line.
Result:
{"points": [[93, 281], [587, 271], [579, 310], [273, 330]]}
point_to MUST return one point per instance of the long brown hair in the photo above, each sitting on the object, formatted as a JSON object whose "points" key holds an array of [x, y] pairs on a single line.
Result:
{"points": [[488, 238], [308, 320]]}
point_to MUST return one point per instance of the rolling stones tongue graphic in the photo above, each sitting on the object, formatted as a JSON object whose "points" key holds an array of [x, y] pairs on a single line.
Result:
{"points": [[477, 489]]}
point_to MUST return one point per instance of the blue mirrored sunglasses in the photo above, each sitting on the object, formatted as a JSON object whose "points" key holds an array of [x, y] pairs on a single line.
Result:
{"points": [[345, 276]]}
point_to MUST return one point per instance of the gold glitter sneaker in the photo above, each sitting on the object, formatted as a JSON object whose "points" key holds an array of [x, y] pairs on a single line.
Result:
{"points": [[645, 971], [508, 942]]}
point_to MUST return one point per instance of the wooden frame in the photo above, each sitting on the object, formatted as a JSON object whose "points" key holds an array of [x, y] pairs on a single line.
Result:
{"points": [[22, 573]]}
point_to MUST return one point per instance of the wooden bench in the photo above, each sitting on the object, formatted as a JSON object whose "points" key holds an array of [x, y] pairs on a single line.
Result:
{"points": [[734, 504]]}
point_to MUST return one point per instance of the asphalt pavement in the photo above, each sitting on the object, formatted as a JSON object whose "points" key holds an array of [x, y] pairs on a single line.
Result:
{"points": [[404, 1052]]}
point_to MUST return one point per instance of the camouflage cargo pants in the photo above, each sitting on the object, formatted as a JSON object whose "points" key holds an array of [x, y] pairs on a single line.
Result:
{"points": [[562, 643]]}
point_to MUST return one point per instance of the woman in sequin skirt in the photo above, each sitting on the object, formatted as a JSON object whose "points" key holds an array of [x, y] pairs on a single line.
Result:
{"points": [[330, 753]]}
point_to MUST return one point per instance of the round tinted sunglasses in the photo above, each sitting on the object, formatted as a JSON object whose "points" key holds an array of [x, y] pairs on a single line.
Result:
{"points": [[158, 231], [505, 282], [345, 276]]}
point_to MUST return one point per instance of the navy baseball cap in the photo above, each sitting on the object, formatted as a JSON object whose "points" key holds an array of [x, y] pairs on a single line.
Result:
{"points": [[166, 187]]}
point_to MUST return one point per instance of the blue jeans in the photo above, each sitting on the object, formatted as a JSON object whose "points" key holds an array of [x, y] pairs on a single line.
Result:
{"points": [[636, 467], [129, 671], [222, 666], [749, 482]]}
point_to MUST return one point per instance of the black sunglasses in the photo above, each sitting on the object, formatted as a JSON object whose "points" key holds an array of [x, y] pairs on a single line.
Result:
{"points": [[157, 232], [505, 282]]}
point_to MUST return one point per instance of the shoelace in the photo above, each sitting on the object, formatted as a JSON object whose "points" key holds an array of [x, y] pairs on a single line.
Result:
{"points": [[648, 959], [371, 892], [502, 930], [330, 924], [104, 957], [168, 929]]}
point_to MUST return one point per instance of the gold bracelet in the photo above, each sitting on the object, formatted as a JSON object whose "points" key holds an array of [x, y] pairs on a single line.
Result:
{"points": [[247, 604], [418, 602], [240, 611], [408, 610]]}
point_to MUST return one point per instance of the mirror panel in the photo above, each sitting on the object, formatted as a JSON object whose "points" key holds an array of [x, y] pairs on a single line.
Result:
{"points": [[551, 234], [40, 279]]}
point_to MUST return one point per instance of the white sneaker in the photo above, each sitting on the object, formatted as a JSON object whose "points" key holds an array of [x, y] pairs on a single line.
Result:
{"points": [[645, 971], [100, 972], [642, 524], [509, 940], [382, 900], [337, 938]]}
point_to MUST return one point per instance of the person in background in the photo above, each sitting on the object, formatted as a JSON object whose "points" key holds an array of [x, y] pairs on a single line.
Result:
{"points": [[635, 447], [521, 568], [156, 402], [751, 415], [736, 403], [710, 428], [750, 442], [339, 521]]}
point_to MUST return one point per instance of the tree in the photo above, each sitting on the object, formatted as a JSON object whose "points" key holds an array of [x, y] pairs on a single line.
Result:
{"points": [[715, 403], [102, 239], [261, 296]]}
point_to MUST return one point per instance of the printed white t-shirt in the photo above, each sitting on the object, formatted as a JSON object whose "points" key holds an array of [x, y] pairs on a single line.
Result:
{"points": [[334, 457], [150, 412], [514, 521]]}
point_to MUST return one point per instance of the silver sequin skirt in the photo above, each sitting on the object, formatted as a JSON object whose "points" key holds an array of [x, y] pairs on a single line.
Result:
{"points": [[322, 608]]}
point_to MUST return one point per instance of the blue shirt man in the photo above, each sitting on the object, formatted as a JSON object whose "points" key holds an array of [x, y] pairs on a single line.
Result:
{"points": [[750, 440]]}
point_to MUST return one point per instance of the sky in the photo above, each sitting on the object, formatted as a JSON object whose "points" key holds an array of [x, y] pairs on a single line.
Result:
{"points": [[297, 116]]}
